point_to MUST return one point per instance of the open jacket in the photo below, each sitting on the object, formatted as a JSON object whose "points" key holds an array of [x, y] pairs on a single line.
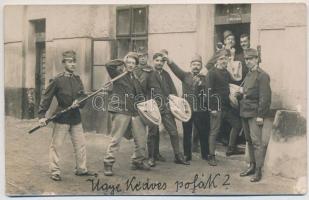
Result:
{"points": [[159, 86], [126, 91]]}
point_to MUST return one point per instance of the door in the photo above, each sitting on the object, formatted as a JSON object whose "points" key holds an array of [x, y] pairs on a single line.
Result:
{"points": [[39, 73]]}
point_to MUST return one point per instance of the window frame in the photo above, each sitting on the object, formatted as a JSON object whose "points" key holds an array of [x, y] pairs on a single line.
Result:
{"points": [[132, 36], [112, 53]]}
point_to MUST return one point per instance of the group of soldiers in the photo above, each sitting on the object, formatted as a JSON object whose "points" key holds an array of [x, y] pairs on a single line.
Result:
{"points": [[141, 82]]}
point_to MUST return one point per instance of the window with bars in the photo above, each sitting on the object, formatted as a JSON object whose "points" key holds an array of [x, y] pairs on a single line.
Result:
{"points": [[131, 29]]}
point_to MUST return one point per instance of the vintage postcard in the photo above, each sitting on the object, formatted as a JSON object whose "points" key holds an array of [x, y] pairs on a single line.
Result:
{"points": [[155, 99]]}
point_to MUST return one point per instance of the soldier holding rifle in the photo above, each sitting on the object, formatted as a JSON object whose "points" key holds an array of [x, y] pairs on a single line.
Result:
{"points": [[67, 88]]}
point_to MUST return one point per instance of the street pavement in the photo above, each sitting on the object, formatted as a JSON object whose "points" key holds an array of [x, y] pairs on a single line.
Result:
{"points": [[26, 166]]}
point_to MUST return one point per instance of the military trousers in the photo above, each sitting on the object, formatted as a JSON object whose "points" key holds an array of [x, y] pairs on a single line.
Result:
{"points": [[253, 134], [121, 123], [60, 132]]}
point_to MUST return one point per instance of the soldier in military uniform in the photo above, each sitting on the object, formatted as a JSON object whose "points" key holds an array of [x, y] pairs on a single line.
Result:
{"points": [[159, 86], [193, 87], [142, 72], [254, 106], [126, 93], [67, 87]]}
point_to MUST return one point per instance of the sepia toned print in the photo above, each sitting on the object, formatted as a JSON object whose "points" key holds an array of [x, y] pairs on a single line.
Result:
{"points": [[199, 99]]}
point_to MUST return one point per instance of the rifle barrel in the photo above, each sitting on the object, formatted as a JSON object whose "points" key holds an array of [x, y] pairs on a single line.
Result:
{"points": [[82, 100]]}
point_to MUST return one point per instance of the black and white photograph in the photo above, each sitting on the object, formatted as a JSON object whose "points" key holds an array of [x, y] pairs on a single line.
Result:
{"points": [[183, 99]]}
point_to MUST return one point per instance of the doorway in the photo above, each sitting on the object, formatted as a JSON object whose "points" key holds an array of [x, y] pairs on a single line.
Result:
{"points": [[40, 58], [237, 19], [233, 17]]}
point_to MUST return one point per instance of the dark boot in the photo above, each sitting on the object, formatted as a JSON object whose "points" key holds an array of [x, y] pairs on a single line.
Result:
{"points": [[250, 170], [234, 151], [257, 175], [179, 159], [108, 170], [212, 160]]}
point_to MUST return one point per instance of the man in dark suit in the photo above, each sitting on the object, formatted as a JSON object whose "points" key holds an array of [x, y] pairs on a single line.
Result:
{"points": [[254, 106], [160, 86], [194, 91]]}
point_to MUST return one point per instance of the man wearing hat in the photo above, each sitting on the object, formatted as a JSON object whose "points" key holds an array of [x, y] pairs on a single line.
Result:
{"points": [[126, 93], [160, 85], [229, 43], [193, 87], [254, 106], [142, 72], [218, 79], [67, 87]]}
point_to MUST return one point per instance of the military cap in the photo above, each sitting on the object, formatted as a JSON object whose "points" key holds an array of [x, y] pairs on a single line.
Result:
{"points": [[133, 55], [227, 33], [249, 53], [196, 58], [220, 53], [69, 54], [158, 54], [141, 51]]}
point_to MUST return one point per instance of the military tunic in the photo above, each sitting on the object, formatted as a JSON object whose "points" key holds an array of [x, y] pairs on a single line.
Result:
{"points": [[66, 88], [255, 103]]}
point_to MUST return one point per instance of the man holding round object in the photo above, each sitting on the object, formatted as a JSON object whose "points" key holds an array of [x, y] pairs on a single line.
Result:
{"points": [[193, 87], [160, 86], [218, 79]]}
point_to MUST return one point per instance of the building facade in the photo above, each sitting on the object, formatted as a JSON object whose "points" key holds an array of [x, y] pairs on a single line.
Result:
{"points": [[35, 37]]}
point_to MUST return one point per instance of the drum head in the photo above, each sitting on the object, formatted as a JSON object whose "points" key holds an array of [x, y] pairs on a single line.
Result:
{"points": [[149, 112], [180, 108]]}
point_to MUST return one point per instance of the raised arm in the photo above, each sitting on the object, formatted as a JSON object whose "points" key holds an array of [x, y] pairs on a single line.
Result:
{"points": [[176, 70]]}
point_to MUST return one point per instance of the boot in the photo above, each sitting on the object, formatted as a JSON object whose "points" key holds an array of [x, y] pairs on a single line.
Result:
{"points": [[233, 151], [179, 159], [152, 162], [87, 173], [140, 166], [212, 160], [250, 170], [257, 175], [108, 169], [187, 158]]}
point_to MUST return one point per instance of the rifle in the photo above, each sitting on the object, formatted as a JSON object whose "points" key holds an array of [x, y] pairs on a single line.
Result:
{"points": [[79, 102]]}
